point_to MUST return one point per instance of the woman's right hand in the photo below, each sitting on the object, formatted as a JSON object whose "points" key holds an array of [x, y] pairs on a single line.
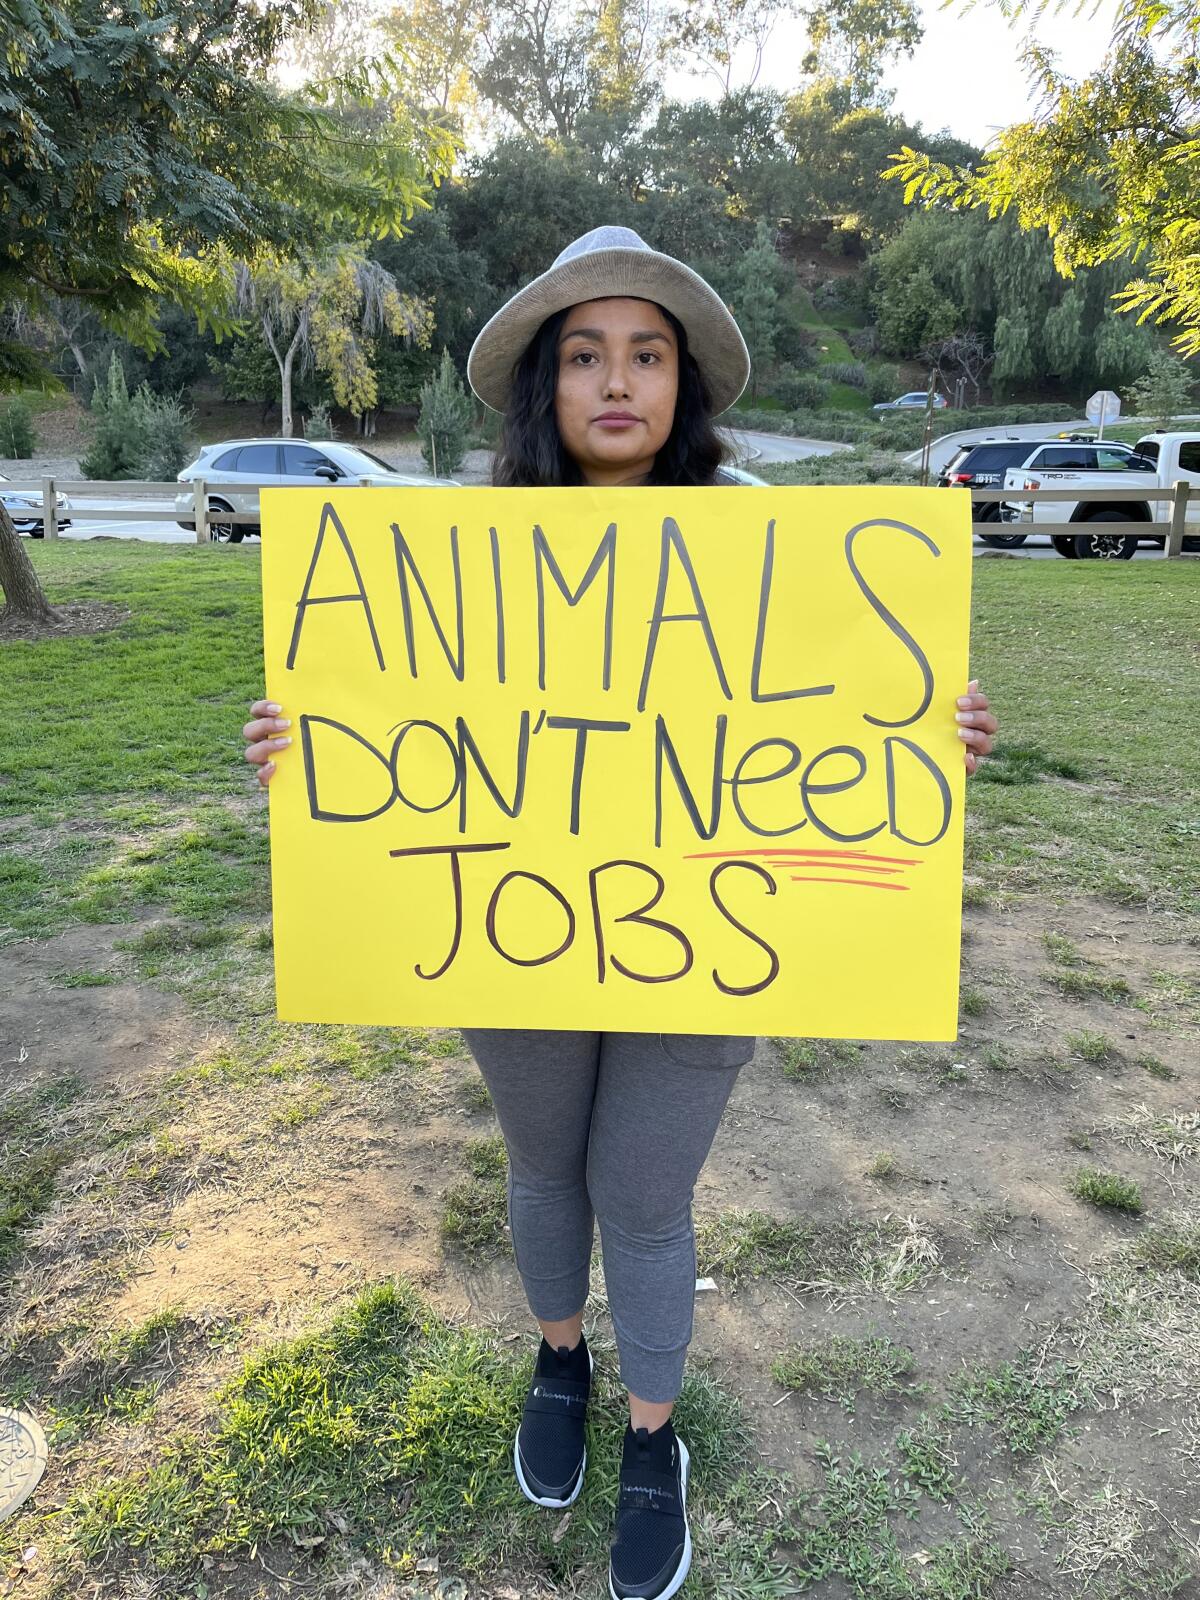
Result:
{"points": [[265, 737]]}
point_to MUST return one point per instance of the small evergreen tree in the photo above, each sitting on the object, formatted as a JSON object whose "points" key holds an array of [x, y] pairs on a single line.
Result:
{"points": [[16, 430], [120, 440], [445, 421], [756, 303], [143, 435], [319, 423], [168, 429], [1163, 391]]}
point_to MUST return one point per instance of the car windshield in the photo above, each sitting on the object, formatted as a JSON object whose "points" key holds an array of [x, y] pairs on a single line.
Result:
{"points": [[375, 461]]}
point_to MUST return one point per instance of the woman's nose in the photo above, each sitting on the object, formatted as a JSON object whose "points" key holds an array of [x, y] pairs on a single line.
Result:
{"points": [[616, 382]]}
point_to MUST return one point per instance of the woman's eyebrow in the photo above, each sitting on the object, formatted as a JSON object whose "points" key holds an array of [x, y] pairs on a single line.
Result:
{"points": [[641, 337]]}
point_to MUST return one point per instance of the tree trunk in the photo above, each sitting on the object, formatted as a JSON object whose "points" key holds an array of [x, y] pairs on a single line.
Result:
{"points": [[285, 420], [22, 591]]}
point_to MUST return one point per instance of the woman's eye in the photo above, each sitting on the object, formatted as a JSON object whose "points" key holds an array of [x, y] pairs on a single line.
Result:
{"points": [[588, 354]]}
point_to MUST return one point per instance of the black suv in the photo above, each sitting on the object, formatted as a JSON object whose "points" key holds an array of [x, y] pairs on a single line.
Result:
{"points": [[982, 466]]}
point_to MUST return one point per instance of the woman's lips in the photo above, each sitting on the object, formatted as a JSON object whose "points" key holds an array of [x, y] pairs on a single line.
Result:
{"points": [[616, 423]]}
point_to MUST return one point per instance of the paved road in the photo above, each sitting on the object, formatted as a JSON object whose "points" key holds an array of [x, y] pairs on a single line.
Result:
{"points": [[754, 447]]}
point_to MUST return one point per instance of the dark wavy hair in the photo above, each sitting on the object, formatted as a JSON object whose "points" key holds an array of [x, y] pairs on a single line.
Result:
{"points": [[531, 453]]}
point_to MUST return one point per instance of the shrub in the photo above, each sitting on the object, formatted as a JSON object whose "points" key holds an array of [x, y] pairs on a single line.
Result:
{"points": [[170, 437], [859, 465], [799, 390], [319, 423], [16, 430], [143, 435], [851, 372], [444, 424], [883, 383]]}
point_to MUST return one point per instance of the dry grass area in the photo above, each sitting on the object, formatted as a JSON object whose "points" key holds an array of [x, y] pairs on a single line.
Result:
{"points": [[255, 1279]]}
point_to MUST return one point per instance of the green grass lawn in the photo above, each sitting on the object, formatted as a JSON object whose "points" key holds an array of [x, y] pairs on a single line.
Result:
{"points": [[378, 1430]]}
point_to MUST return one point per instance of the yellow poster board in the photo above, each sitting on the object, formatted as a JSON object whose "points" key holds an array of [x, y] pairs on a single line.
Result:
{"points": [[660, 760]]}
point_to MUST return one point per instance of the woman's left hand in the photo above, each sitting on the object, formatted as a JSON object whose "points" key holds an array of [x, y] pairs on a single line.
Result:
{"points": [[976, 725]]}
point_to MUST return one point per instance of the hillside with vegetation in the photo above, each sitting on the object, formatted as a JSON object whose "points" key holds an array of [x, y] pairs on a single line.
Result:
{"points": [[846, 295]]}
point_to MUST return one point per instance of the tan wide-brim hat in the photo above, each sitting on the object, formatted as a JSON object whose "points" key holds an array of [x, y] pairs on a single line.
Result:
{"points": [[613, 262]]}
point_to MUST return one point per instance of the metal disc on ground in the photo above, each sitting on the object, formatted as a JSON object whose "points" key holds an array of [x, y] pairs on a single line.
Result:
{"points": [[22, 1459]]}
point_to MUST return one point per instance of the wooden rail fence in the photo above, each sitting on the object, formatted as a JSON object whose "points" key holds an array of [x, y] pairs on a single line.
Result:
{"points": [[1179, 498]]}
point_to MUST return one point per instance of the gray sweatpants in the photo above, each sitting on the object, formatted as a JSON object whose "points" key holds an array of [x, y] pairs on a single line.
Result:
{"points": [[614, 1127]]}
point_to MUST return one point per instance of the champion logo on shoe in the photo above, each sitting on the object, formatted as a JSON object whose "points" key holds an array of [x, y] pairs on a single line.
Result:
{"points": [[540, 1392], [634, 1491]]}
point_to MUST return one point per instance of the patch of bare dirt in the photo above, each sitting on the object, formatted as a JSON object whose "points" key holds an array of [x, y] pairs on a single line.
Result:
{"points": [[271, 1222], [73, 620], [119, 1032]]}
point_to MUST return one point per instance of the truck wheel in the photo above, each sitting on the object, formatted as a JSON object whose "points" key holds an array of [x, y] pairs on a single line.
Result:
{"points": [[1003, 541], [1105, 546], [1065, 545]]}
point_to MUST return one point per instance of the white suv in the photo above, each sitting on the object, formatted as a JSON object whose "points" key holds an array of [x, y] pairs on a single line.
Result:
{"points": [[238, 468]]}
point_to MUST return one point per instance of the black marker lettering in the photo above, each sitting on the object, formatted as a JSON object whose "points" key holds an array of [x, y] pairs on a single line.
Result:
{"points": [[529, 961], [737, 782], [453, 851], [315, 809], [808, 787], [764, 601], [642, 920], [402, 731], [897, 628], [672, 540], [606, 550], [773, 971], [499, 588], [582, 726], [405, 563], [328, 514], [466, 744], [935, 772], [663, 747]]}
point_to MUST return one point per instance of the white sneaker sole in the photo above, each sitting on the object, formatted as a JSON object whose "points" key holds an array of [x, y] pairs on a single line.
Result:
{"points": [[678, 1580], [539, 1500]]}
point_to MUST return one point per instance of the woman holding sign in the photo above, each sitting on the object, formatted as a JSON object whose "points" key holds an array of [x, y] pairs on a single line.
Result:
{"points": [[609, 369]]}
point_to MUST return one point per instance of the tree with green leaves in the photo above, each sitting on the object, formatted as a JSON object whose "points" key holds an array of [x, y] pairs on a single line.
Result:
{"points": [[1108, 167], [754, 300], [1164, 390], [853, 42], [146, 149], [326, 314], [444, 424]]}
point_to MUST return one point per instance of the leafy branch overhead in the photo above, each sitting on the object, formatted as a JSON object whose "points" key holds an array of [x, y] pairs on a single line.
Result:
{"points": [[146, 150], [1109, 167]]}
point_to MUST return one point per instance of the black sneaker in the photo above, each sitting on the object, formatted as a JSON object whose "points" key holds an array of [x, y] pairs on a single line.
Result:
{"points": [[549, 1451], [652, 1548]]}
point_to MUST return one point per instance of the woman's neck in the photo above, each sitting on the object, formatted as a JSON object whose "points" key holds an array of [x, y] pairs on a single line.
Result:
{"points": [[618, 477]]}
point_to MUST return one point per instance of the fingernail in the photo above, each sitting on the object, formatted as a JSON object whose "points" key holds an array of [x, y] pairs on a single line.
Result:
{"points": [[963, 700], [964, 733], [283, 722], [280, 743], [962, 716], [272, 707]]}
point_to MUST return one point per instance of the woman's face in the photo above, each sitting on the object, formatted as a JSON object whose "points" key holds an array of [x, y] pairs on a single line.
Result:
{"points": [[618, 376]]}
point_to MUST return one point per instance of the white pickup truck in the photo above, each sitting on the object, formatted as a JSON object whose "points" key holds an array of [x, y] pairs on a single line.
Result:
{"points": [[1159, 460]]}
